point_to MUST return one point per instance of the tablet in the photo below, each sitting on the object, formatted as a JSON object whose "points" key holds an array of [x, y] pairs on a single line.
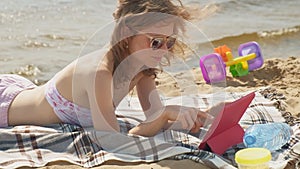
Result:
{"points": [[225, 130]]}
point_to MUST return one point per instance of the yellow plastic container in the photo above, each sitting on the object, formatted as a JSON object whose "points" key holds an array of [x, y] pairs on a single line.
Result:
{"points": [[253, 158]]}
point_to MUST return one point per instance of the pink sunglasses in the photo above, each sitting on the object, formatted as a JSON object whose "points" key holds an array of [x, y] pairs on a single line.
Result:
{"points": [[158, 42]]}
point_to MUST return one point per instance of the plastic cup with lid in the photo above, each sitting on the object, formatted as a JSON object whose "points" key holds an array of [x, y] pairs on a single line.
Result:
{"points": [[253, 158]]}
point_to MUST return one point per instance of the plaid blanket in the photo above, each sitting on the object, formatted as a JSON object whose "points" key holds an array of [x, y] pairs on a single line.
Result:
{"points": [[35, 146]]}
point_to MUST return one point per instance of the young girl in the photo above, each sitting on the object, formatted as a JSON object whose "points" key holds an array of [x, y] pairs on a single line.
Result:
{"points": [[88, 90]]}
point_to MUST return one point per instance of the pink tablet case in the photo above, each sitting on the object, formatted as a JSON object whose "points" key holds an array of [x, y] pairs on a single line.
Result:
{"points": [[225, 130]]}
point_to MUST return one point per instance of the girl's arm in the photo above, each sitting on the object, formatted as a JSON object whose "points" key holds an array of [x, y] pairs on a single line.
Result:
{"points": [[152, 107], [101, 104], [159, 116], [149, 97]]}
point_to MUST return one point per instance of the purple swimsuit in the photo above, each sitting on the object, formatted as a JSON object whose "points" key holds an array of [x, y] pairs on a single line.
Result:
{"points": [[10, 86], [67, 111]]}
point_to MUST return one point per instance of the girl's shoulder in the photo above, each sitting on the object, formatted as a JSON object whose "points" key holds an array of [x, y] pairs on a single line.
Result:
{"points": [[85, 68]]}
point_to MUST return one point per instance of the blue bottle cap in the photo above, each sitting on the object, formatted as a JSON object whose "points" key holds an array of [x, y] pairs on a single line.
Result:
{"points": [[249, 139]]}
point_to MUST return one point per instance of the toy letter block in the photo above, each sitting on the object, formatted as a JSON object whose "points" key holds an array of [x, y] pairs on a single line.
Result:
{"points": [[252, 47], [213, 68], [238, 70]]}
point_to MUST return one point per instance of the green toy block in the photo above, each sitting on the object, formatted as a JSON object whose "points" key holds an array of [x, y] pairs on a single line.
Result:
{"points": [[237, 70]]}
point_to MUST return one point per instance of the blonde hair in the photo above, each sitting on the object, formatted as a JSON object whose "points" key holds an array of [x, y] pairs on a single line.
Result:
{"points": [[142, 13]]}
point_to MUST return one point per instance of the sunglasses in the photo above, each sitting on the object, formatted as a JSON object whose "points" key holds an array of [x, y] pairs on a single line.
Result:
{"points": [[158, 42]]}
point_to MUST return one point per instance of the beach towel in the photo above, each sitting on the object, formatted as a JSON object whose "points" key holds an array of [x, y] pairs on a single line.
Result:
{"points": [[35, 146]]}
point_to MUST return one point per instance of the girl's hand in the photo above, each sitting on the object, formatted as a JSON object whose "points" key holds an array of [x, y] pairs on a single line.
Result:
{"points": [[190, 118]]}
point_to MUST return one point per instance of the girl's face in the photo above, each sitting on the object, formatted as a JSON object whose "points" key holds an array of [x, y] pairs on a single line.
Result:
{"points": [[151, 44]]}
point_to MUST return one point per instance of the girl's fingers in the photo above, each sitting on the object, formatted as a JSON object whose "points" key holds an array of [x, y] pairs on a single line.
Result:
{"points": [[189, 120], [198, 122], [197, 125], [202, 114], [183, 122]]}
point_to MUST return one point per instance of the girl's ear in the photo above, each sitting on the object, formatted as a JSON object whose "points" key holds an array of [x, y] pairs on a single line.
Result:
{"points": [[126, 41], [126, 35]]}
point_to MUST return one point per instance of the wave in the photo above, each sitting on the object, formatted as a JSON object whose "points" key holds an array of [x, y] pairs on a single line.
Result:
{"points": [[257, 36], [280, 32]]}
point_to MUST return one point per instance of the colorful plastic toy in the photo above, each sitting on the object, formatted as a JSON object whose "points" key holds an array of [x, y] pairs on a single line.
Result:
{"points": [[213, 66]]}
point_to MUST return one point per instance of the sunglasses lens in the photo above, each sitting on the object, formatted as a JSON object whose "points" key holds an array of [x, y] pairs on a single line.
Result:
{"points": [[156, 43], [170, 42]]}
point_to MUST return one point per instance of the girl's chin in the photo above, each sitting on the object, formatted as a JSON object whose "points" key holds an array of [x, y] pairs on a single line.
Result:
{"points": [[153, 65]]}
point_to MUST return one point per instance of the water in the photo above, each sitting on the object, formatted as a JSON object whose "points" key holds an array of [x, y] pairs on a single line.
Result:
{"points": [[39, 38], [271, 136]]}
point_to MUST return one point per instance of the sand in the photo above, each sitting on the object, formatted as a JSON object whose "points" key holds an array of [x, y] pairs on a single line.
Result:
{"points": [[281, 74]]}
